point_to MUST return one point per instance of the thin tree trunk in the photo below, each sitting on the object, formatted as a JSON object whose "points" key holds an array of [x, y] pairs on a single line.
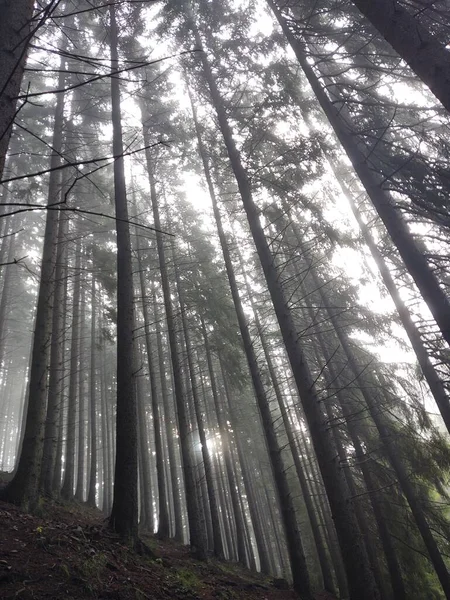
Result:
{"points": [[67, 490], [434, 382], [197, 540], [212, 498], [238, 516], [58, 463], [55, 384], [81, 461], [147, 520], [93, 399], [170, 434], [386, 437], [325, 567], [163, 515]]}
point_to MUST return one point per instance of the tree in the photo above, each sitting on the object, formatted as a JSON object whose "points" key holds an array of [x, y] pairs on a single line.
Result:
{"points": [[124, 514], [15, 33]]}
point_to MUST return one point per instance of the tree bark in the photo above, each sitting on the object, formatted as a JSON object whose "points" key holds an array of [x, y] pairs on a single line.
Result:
{"points": [[297, 557], [413, 258], [359, 574], [92, 490], [15, 33], [124, 514], [170, 431], [427, 56], [24, 486], [67, 490], [197, 539], [163, 515]]}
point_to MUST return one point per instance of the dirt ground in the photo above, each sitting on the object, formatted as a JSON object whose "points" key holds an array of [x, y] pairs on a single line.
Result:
{"points": [[68, 552]]}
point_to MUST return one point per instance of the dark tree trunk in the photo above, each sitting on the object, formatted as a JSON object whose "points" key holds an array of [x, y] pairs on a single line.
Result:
{"points": [[359, 574], [297, 557], [57, 471], [55, 385], [81, 461], [325, 566], [163, 515], [124, 515], [217, 544], [427, 56], [15, 28], [238, 516], [387, 439], [146, 521], [170, 430], [24, 486], [434, 382], [414, 260], [69, 464], [93, 400], [197, 540]]}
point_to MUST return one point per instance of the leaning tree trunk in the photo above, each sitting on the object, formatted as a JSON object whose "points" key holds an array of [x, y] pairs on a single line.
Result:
{"points": [[360, 577], [429, 372], [15, 35], [386, 436], [427, 56], [414, 260], [124, 514], [296, 554]]}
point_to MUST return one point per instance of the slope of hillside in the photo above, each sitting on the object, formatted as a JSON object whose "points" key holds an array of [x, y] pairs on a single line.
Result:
{"points": [[67, 552]]}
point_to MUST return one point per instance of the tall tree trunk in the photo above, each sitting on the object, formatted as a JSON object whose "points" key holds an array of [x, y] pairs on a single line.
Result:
{"points": [[15, 30], [413, 258], [170, 430], [24, 486], [297, 557], [124, 514], [67, 490], [93, 398], [163, 515], [81, 460], [427, 56], [325, 566], [386, 437], [207, 463], [58, 466], [147, 521], [434, 382], [238, 516], [55, 384], [197, 540], [359, 574]]}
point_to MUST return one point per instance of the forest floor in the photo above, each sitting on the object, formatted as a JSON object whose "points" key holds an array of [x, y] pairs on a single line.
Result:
{"points": [[67, 552]]}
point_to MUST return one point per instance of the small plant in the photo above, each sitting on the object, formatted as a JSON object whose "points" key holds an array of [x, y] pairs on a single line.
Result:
{"points": [[187, 582]]}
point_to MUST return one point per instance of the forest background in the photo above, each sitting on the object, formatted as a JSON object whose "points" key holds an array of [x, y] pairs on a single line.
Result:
{"points": [[224, 312]]}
